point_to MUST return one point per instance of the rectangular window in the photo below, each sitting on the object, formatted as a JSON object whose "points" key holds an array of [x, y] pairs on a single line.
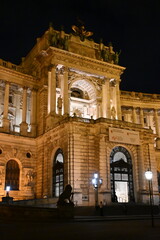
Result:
{"points": [[125, 177], [117, 176]]}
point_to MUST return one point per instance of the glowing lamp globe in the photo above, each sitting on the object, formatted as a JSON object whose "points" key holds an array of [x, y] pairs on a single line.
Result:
{"points": [[148, 175]]}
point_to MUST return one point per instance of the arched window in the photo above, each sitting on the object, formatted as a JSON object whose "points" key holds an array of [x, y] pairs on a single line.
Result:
{"points": [[121, 175], [12, 175], [58, 174], [76, 92]]}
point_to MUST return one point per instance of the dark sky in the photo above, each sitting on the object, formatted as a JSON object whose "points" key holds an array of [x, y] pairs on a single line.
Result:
{"points": [[132, 26]]}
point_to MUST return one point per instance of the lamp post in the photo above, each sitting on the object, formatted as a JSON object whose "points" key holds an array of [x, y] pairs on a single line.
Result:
{"points": [[7, 199], [149, 176], [7, 191], [96, 182]]}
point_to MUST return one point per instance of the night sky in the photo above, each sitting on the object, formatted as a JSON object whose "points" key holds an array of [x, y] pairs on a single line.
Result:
{"points": [[132, 26]]}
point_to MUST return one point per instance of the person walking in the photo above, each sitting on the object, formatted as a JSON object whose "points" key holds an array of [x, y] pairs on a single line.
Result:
{"points": [[101, 208]]}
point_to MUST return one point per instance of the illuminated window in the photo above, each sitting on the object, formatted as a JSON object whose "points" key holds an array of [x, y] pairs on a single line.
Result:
{"points": [[12, 175], [58, 174]]}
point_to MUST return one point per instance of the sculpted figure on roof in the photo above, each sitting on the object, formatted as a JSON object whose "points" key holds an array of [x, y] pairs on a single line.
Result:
{"points": [[81, 31]]}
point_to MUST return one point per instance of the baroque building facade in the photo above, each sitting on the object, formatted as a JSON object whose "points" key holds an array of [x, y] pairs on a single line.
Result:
{"points": [[63, 117]]}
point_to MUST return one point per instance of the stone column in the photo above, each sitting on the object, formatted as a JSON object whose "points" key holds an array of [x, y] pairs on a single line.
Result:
{"points": [[5, 111], [156, 123], [24, 107], [52, 90], [108, 99], [24, 125], [141, 171], [104, 100], [33, 112], [157, 129], [6, 101], [134, 115], [69, 103], [119, 115], [106, 111], [99, 108], [102, 168], [141, 117], [65, 91], [52, 116]]}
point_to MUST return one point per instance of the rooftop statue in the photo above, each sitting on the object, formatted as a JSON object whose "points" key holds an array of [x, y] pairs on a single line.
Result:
{"points": [[81, 32], [58, 39]]}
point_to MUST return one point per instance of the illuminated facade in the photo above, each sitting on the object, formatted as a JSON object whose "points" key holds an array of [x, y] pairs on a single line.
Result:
{"points": [[63, 118]]}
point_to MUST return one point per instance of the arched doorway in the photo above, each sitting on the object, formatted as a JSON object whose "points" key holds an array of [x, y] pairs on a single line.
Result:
{"points": [[58, 173], [121, 175], [12, 175]]}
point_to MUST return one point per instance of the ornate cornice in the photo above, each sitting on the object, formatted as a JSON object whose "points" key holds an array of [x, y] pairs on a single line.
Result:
{"points": [[87, 64]]}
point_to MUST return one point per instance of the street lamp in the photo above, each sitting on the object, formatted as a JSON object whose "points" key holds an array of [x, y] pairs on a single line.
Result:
{"points": [[7, 199], [96, 182], [149, 176], [7, 191]]}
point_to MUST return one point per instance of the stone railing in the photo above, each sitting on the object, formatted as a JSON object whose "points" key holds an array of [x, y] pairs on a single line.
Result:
{"points": [[11, 66], [139, 95], [17, 68], [109, 122]]}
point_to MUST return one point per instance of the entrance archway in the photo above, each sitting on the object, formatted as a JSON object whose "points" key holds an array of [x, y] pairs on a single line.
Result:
{"points": [[121, 175]]}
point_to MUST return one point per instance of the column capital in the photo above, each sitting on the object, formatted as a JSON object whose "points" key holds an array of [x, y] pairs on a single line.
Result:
{"points": [[106, 78], [64, 69], [113, 82]]}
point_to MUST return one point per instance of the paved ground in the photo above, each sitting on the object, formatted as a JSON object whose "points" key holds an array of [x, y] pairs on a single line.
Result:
{"points": [[81, 229]]}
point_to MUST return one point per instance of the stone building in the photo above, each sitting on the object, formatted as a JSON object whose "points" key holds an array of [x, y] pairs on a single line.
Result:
{"points": [[63, 118]]}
